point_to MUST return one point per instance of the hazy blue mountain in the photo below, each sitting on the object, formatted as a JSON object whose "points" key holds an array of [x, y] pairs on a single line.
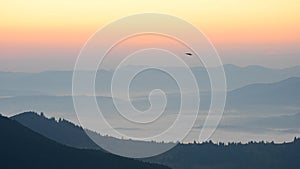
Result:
{"points": [[23, 148], [271, 98], [276, 128], [283, 94], [60, 82], [238, 77], [45, 83], [277, 123], [62, 105]]}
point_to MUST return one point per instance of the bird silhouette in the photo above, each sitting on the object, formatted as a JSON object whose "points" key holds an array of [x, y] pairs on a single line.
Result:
{"points": [[188, 53]]}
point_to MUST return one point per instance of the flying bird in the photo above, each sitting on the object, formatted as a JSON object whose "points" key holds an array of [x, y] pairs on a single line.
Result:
{"points": [[188, 53]]}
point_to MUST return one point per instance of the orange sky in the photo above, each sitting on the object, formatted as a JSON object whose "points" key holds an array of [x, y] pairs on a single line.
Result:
{"points": [[65, 25]]}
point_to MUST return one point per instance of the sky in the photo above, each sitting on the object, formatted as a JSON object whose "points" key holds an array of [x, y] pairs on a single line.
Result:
{"points": [[39, 35]]}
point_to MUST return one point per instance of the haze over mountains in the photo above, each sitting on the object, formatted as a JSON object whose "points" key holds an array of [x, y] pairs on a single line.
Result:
{"points": [[256, 98], [283, 94], [262, 104], [52, 87], [60, 82], [256, 95]]}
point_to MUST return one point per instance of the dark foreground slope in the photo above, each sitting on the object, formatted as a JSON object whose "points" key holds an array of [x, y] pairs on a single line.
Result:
{"points": [[22, 148]]}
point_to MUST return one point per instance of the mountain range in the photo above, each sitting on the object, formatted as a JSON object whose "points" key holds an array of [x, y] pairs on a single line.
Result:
{"points": [[60, 82], [268, 98]]}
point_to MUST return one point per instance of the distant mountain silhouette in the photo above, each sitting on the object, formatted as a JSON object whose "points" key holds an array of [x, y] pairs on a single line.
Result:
{"points": [[23, 148]]}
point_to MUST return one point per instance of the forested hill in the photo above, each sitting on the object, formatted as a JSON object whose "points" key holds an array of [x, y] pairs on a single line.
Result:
{"points": [[22, 148], [207, 155], [232, 156]]}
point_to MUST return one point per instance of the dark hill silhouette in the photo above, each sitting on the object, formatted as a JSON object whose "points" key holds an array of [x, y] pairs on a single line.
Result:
{"points": [[23, 148], [61, 131], [65, 132], [193, 156]]}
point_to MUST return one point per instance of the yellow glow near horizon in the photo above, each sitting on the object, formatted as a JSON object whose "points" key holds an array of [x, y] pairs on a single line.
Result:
{"points": [[225, 22]]}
